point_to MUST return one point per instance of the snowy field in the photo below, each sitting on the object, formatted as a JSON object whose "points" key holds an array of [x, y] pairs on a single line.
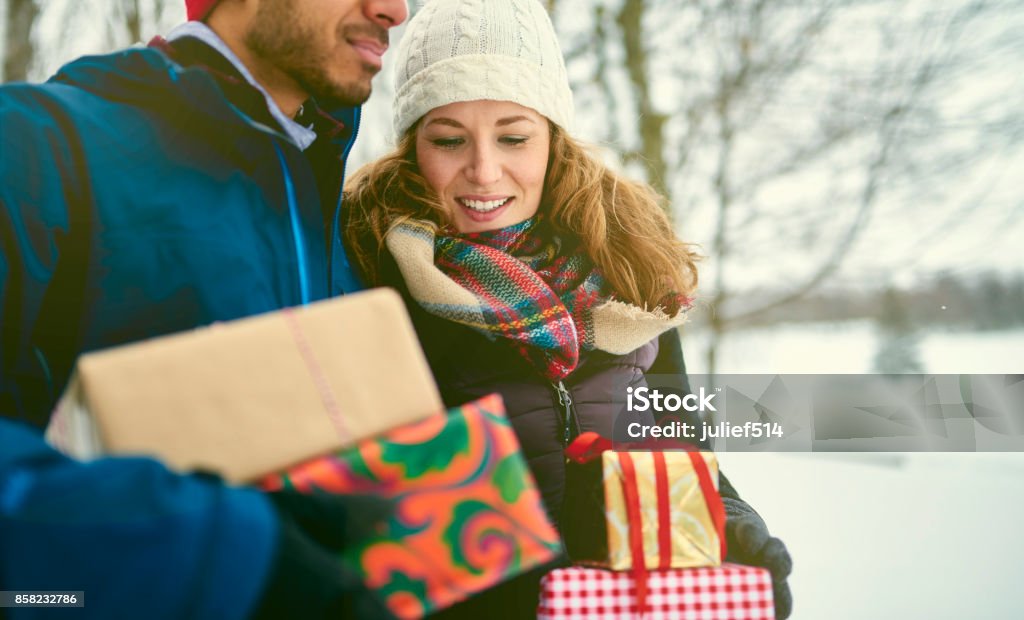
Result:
{"points": [[849, 348], [922, 535], [934, 536]]}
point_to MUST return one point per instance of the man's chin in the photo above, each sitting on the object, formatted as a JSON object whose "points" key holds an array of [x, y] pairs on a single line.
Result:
{"points": [[331, 93], [345, 95]]}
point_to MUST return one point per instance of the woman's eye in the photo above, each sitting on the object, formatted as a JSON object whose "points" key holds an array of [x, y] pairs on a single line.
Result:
{"points": [[447, 143], [513, 140]]}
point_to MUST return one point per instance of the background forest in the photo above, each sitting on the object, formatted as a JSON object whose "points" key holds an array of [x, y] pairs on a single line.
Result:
{"points": [[848, 165]]}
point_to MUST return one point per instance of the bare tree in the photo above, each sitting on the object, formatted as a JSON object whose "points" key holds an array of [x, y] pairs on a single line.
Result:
{"points": [[786, 135], [132, 19], [79, 27], [18, 47], [776, 129], [135, 21]]}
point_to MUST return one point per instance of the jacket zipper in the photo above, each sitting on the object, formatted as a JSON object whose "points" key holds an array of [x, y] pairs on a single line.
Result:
{"points": [[293, 214], [569, 417], [293, 210]]}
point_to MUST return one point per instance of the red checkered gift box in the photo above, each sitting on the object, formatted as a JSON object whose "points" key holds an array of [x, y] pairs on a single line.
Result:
{"points": [[728, 592]]}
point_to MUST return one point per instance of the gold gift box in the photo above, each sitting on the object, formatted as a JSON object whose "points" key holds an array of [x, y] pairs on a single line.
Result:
{"points": [[694, 539]]}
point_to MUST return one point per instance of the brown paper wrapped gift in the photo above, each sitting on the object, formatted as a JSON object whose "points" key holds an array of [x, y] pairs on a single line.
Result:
{"points": [[256, 395]]}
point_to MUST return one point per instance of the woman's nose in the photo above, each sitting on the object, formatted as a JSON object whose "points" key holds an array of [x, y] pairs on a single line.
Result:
{"points": [[484, 168]]}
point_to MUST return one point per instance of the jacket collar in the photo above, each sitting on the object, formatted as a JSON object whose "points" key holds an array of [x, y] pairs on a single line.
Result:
{"points": [[301, 135], [337, 126]]}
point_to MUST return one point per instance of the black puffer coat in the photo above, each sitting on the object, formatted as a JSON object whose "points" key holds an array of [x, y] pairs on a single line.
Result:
{"points": [[545, 415], [468, 365]]}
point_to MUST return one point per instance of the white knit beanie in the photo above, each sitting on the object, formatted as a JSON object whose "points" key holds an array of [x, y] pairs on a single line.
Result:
{"points": [[466, 50]]}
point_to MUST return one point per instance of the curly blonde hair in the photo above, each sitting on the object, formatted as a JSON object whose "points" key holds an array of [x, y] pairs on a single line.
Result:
{"points": [[620, 223]]}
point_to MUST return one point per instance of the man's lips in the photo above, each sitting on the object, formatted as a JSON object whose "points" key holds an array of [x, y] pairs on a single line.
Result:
{"points": [[370, 50]]}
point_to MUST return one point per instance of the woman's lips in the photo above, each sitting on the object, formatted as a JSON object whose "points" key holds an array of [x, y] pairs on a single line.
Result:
{"points": [[485, 216]]}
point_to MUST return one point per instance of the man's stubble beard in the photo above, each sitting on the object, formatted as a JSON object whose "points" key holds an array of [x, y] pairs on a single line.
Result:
{"points": [[278, 38]]}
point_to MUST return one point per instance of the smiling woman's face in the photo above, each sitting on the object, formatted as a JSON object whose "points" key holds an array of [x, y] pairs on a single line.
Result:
{"points": [[486, 161]]}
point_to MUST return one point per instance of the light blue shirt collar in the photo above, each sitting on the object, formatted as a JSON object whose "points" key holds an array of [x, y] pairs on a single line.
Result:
{"points": [[301, 136]]}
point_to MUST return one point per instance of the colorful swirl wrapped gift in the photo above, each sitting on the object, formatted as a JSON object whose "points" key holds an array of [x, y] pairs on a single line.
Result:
{"points": [[468, 513]]}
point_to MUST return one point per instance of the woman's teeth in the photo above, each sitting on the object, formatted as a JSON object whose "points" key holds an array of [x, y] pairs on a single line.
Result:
{"points": [[483, 206]]}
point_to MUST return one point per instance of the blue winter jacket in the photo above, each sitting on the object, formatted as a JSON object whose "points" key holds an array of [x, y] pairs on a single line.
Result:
{"points": [[141, 196]]}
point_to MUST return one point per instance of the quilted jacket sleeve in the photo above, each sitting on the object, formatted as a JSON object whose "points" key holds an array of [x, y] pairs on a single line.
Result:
{"points": [[140, 541], [38, 184]]}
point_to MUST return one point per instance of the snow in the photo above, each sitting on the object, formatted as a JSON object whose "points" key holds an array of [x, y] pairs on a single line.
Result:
{"points": [[849, 348], [890, 535], [917, 536]]}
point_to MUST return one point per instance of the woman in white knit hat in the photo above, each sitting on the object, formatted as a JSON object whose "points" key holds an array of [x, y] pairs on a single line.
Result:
{"points": [[529, 267]]}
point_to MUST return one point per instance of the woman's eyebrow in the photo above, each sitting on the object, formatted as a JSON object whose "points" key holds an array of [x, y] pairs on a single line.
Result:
{"points": [[512, 119], [445, 121]]}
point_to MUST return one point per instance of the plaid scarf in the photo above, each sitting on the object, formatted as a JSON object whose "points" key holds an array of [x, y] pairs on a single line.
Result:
{"points": [[534, 292], [537, 291]]}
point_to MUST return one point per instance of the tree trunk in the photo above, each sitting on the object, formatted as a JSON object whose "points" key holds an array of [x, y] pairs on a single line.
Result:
{"points": [[133, 21], [18, 55], [652, 123]]}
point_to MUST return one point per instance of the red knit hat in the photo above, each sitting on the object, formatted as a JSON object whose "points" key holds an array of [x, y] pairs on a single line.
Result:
{"points": [[198, 9]]}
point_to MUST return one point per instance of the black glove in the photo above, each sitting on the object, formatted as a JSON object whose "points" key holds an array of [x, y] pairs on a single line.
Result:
{"points": [[307, 578], [334, 521], [750, 543]]}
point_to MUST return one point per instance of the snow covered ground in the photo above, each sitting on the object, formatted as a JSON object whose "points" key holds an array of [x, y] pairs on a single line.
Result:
{"points": [[922, 535], [932, 536], [837, 348]]}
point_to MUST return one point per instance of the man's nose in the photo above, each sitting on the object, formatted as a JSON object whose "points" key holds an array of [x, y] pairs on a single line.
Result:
{"points": [[484, 168], [386, 13]]}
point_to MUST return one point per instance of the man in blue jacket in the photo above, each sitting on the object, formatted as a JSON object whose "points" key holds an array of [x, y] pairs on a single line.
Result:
{"points": [[155, 190]]}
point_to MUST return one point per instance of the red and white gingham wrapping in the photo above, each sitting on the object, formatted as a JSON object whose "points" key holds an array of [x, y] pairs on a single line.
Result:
{"points": [[729, 592]]}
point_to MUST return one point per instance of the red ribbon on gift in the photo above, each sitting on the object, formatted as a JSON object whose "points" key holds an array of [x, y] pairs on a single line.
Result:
{"points": [[316, 372], [589, 446]]}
